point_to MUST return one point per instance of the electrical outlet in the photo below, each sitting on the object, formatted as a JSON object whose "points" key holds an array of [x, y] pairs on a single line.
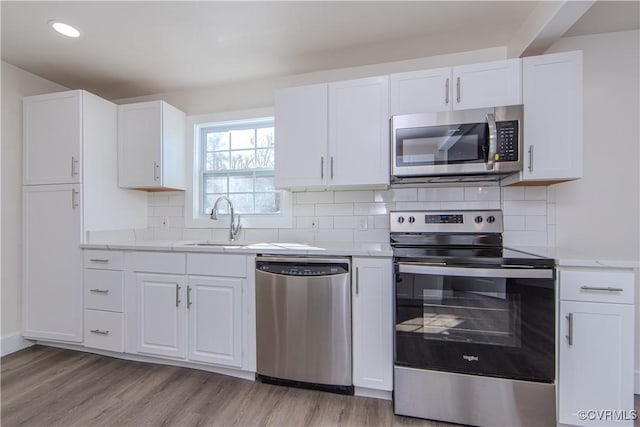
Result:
{"points": [[164, 222], [315, 223]]}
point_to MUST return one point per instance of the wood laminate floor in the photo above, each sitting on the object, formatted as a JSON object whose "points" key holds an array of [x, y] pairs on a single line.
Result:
{"points": [[46, 386]]}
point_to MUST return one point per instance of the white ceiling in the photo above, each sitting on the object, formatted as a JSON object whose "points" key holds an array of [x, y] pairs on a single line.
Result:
{"points": [[136, 48]]}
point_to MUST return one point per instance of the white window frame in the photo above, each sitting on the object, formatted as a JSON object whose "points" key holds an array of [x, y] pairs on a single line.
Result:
{"points": [[193, 217]]}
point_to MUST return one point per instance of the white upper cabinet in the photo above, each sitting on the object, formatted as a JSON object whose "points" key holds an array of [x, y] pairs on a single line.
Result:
{"points": [[359, 132], [52, 135], [488, 84], [553, 117], [333, 135], [151, 146], [301, 122], [422, 91]]}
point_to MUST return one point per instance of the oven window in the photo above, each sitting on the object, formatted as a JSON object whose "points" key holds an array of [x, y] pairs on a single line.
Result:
{"points": [[441, 145], [470, 310]]}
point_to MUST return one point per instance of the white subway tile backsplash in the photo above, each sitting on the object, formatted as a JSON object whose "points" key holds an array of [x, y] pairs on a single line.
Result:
{"points": [[418, 206], [167, 233], [482, 193], [513, 222], [313, 197], [167, 211], [464, 205], [353, 196], [444, 194], [340, 222], [380, 222], [397, 195], [305, 222], [512, 193], [261, 235], [335, 209], [295, 236], [372, 208], [176, 199], [535, 193], [334, 236], [525, 238], [551, 214], [525, 207], [304, 210], [197, 234], [551, 235], [158, 199], [535, 223], [370, 236], [326, 222]]}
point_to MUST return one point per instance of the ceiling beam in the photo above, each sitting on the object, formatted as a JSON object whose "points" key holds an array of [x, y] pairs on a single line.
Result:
{"points": [[546, 24]]}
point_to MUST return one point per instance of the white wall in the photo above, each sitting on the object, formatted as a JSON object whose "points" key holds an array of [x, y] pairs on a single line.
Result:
{"points": [[603, 208], [16, 83]]}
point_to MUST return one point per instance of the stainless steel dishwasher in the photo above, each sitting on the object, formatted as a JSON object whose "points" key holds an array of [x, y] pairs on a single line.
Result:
{"points": [[303, 319]]}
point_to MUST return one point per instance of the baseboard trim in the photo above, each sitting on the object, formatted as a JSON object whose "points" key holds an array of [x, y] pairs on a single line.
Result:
{"points": [[12, 343], [376, 394]]}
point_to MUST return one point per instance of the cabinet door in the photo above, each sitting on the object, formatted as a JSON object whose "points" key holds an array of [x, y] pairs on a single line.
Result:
{"points": [[359, 132], [372, 323], [301, 136], [215, 320], [596, 367], [140, 145], [422, 91], [552, 92], [52, 263], [161, 315], [52, 135], [488, 84]]}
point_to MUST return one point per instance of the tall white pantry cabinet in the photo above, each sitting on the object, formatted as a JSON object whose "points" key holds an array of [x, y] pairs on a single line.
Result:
{"points": [[70, 188]]}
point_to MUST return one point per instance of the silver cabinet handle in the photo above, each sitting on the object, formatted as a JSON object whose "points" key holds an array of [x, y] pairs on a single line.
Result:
{"points": [[446, 92], [178, 287], [99, 332], [74, 162], [321, 167], [531, 158], [156, 172], [493, 141], [189, 289], [597, 288], [458, 90], [331, 167], [100, 260], [570, 335], [357, 280], [99, 291], [74, 199]]}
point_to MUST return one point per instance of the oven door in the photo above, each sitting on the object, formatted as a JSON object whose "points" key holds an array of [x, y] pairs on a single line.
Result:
{"points": [[487, 321]]}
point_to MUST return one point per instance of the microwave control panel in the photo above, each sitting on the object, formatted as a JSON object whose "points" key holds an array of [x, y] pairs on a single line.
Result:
{"points": [[507, 144]]}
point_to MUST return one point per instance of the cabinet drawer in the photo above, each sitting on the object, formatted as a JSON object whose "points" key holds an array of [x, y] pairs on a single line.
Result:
{"points": [[217, 265], [158, 262], [106, 260], [597, 286], [103, 290], [104, 330]]}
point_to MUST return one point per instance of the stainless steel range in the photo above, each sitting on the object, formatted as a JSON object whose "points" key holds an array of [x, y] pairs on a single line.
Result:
{"points": [[474, 322]]}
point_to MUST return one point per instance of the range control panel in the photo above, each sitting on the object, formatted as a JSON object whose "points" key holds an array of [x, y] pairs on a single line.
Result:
{"points": [[471, 221]]}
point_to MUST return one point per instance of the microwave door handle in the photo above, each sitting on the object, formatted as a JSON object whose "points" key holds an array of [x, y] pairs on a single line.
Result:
{"points": [[493, 141]]}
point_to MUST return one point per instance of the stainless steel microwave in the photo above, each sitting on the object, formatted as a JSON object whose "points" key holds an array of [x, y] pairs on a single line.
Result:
{"points": [[466, 143]]}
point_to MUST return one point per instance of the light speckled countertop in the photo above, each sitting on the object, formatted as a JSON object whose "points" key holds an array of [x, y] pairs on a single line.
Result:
{"points": [[329, 249], [583, 257]]}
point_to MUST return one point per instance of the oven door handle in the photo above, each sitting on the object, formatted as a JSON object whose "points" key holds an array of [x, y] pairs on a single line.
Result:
{"points": [[506, 273]]}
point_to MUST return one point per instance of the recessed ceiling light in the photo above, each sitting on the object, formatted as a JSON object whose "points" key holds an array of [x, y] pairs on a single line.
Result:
{"points": [[64, 29]]}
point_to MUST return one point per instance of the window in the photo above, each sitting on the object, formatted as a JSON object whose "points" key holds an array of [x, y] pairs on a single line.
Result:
{"points": [[237, 161]]}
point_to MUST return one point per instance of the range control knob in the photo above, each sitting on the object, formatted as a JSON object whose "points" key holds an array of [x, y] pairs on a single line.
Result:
{"points": [[411, 220], [400, 219], [477, 219], [491, 219]]}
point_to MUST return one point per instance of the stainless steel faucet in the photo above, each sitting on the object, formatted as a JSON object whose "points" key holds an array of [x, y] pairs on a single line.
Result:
{"points": [[234, 228]]}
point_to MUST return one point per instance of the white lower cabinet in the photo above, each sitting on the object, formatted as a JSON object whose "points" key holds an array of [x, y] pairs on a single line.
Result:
{"points": [[104, 330], [161, 314], [190, 306], [372, 296], [214, 306], [595, 380]]}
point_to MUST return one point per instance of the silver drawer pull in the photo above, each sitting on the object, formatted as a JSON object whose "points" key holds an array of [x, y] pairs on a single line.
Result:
{"points": [[596, 288], [570, 336], [99, 332], [99, 291], [101, 260]]}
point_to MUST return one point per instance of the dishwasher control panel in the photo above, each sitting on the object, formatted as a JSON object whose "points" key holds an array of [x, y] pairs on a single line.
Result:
{"points": [[302, 268]]}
